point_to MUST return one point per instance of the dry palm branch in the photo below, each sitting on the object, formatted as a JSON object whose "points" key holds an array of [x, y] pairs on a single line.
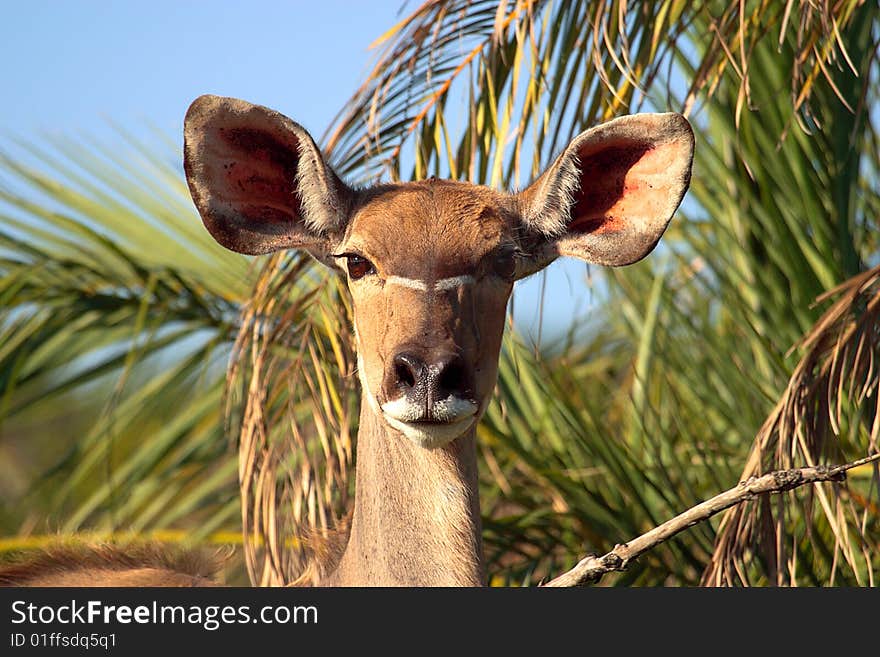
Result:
{"points": [[835, 383]]}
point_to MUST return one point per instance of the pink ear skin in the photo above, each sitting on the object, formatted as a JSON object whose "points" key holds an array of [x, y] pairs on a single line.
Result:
{"points": [[257, 178], [613, 186], [624, 180]]}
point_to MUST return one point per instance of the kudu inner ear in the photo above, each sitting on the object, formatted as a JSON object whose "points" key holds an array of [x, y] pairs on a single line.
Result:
{"points": [[258, 179], [609, 197]]}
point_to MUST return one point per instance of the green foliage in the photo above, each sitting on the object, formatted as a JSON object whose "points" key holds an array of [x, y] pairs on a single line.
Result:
{"points": [[658, 407], [118, 313], [117, 316]]}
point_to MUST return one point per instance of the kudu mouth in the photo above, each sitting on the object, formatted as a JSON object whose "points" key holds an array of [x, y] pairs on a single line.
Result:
{"points": [[431, 431], [433, 425], [429, 396]]}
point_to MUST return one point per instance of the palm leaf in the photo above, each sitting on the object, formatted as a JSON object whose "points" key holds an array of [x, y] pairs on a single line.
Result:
{"points": [[118, 313]]}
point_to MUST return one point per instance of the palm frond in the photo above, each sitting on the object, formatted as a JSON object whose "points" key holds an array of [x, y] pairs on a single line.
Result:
{"points": [[832, 394], [532, 73], [292, 408], [117, 313]]}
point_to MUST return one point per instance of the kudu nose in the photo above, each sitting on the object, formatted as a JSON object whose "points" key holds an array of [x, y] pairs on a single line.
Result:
{"points": [[409, 371], [426, 383]]}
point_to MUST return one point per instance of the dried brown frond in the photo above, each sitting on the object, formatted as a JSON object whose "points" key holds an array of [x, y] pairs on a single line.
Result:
{"points": [[291, 404], [831, 395]]}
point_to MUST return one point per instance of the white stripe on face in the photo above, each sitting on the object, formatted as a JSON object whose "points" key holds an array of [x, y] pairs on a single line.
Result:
{"points": [[443, 284], [411, 283], [453, 282]]}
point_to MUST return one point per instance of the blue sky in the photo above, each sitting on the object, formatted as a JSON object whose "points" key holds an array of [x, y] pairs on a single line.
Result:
{"points": [[70, 65], [73, 67]]}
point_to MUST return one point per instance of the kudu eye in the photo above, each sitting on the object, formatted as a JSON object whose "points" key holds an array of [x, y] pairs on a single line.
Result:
{"points": [[358, 266], [505, 264]]}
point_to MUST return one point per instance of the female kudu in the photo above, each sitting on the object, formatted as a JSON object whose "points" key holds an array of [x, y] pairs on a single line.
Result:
{"points": [[430, 266]]}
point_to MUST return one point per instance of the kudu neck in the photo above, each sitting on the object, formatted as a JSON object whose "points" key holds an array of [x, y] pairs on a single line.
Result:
{"points": [[416, 518]]}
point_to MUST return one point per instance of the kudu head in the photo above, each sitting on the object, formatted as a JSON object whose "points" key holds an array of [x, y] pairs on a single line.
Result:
{"points": [[431, 264]]}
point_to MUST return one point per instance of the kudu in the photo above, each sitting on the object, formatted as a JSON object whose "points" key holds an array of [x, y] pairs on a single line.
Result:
{"points": [[430, 265]]}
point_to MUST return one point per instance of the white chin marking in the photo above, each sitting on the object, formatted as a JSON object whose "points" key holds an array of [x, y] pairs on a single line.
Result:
{"points": [[402, 410], [452, 409], [401, 415], [455, 416], [431, 436]]}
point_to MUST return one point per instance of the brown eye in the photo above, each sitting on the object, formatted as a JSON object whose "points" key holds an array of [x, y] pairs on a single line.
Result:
{"points": [[358, 267], [505, 264]]}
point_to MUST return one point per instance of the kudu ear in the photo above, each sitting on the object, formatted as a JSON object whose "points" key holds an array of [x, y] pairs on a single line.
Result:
{"points": [[608, 198], [259, 181]]}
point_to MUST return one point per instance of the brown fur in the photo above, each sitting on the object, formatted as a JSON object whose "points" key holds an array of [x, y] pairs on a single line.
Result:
{"points": [[324, 552], [452, 225], [111, 565], [416, 519], [457, 227]]}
